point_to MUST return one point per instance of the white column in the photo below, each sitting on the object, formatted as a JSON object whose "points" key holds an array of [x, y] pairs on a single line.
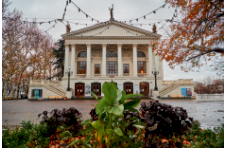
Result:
{"points": [[135, 59], [73, 59], [66, 60], [150, 59], [103, 60], [119, 46], [88, 74]]}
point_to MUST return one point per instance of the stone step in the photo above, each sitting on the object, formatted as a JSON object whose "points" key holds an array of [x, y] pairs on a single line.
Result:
{"points": [[162, 93], [55, 90]]}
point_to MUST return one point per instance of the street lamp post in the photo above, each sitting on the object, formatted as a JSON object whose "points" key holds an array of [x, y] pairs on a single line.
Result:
{"points": [[68, 72], [155, 72]]}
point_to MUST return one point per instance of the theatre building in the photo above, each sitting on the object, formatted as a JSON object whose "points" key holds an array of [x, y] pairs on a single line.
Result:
{"points": [[113, 52]]}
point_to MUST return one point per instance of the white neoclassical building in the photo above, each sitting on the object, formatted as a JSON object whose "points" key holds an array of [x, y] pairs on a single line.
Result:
{"points": [[112, 51]]}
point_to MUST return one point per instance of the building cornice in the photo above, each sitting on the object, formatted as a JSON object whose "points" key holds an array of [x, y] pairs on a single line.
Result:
{"points": [[109, 38], [147, 33]]}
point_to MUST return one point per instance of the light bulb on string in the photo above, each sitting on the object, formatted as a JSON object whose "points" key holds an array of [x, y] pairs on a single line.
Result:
{"points": [[137, 20], [86, 16], [92, 19], [144, 17], [78, 9], [154, 12]]}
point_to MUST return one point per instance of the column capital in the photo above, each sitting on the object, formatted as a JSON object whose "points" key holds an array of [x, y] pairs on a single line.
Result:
{"points": [[150, 45], [72, 44], [104, 44], [134, 45], [88, 44], [119, 44], [66, 45]]}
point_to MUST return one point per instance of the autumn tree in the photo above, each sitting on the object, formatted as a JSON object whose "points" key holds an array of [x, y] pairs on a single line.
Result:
{"points": [[198, 37], [24, 46]]}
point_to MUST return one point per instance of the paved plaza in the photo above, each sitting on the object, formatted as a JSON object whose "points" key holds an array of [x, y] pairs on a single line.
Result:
{"points": [[210, 114]]}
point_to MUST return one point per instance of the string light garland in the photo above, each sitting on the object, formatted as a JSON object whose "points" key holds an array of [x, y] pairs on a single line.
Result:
{"points": [[129, 22], [51, 27], [144, 16], [87, 16], [175, 12], [64, 13]]}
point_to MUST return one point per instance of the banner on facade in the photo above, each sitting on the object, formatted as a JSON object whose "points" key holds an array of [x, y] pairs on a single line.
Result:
{"points": [[36, 93], [136, 89], [186, 92], [87, 89]]}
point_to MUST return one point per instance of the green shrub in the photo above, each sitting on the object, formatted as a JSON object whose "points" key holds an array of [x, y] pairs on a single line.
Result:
{"points": [[206, 138], [29, 135]]}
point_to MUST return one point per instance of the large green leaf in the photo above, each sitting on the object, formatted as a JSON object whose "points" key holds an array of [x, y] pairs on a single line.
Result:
{"points": [[116, 110], [119, 95], [123, 99], [94, 95], [133, 95], [118, 131], [96, 124], [110, 92], [101, 105], [132, 104]]}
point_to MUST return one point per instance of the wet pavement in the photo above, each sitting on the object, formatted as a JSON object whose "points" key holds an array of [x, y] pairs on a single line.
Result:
{"points": [[209, 114]]}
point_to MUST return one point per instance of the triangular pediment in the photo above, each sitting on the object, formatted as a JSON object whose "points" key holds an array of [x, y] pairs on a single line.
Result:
{"points": [[112, 29]]}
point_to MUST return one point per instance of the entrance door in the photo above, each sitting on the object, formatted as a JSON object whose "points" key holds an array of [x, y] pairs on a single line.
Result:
{"points": [[144, 89], [128, 88], [96, 88], [79, 90]]}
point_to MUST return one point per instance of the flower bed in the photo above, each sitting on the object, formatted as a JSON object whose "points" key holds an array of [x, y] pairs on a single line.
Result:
{"points": [[115, 122]]}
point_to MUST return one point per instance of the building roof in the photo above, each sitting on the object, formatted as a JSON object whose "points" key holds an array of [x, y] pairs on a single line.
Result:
{"points": [[111, 29]]}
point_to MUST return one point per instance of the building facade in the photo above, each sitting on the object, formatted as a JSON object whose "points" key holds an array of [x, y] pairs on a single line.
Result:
{"points": [[111, 51], [114, 52]]}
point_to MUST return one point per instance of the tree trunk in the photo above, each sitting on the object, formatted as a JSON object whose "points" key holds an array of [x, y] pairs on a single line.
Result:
{"points": [[3, 91], [12, 90], [18, 86]]}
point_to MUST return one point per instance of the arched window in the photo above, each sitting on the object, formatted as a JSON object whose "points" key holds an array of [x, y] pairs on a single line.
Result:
{"points": [[140, 54], [111, 54], [82, 54]]}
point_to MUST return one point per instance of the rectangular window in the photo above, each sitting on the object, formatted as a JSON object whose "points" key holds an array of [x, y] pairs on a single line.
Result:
{"points": [[111, 67], [81, 67], [126, 69], [141, 66], [97, 68]]}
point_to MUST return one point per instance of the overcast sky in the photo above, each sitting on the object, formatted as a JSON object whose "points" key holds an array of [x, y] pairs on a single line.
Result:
{"points": [[124, 10]]}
